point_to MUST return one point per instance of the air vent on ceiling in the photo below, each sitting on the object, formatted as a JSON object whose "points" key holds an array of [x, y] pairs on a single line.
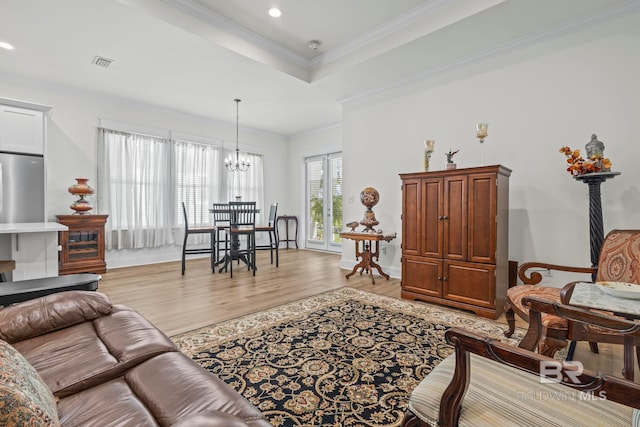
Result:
{"points": [[101, 61]]}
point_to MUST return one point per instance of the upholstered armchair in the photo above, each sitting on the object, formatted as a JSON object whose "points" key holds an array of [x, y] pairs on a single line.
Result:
{"points": [[489, 383], [619, 262]]}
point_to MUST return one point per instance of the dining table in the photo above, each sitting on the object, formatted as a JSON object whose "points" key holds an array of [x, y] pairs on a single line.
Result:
{"points": [[234, 253]]}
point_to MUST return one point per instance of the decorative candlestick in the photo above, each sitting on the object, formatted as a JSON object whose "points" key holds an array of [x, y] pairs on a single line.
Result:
{"points": [[429, 145], [482, 131]]}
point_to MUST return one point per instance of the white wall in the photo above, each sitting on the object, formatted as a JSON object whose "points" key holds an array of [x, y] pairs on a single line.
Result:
{"points": [[535, 100], [72, 147]]}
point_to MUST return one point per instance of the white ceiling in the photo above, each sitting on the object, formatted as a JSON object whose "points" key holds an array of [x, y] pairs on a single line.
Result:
{"points": [[196, 56]]}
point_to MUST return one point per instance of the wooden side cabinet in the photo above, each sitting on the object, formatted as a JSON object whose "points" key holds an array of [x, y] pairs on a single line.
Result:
{"points": [[82, 245], [455, 237]]}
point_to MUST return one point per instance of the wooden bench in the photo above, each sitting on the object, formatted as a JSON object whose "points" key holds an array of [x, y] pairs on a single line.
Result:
{"points": [[23, 290]]}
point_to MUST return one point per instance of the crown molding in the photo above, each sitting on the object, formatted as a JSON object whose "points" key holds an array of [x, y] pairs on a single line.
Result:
{"points": [[224, 24], [382, 31], [397, 24], [599, 17]]}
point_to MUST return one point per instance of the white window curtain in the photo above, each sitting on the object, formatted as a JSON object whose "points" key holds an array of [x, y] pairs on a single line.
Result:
{"points": [[135, 189], [248, 185], [143, 180], [197, 182]]}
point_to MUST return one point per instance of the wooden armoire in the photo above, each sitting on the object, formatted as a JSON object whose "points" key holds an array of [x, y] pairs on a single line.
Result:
{"points": [[455, 226]]}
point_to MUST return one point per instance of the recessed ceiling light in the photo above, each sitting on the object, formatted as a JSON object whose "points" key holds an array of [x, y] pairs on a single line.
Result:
{"points": [[275, 12], [6, 45], [314, 44]]}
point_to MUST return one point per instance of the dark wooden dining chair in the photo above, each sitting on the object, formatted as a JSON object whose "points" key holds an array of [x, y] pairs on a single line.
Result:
{"points": [[272, 230], [211, 231], [221, 222], [242, 217]]}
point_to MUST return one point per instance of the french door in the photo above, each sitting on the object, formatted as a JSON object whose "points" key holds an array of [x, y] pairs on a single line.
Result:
{"points": [[324, 202]]}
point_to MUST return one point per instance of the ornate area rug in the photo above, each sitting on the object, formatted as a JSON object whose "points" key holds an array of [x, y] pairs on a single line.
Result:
{"points": [[342, 358]]}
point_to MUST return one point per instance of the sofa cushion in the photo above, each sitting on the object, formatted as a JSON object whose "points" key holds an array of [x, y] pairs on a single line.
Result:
{"points": [[24, 397], [89, 353], [51, 313], [184, 389], [109, 404], [500, 395], [164, 390]]}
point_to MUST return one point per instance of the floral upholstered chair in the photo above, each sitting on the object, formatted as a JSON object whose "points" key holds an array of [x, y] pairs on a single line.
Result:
{"points": [[619, 262]]}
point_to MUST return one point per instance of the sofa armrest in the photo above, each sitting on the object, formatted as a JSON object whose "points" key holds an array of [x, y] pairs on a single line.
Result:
{"points": [[50, 313], [533, 277], [616, 389]]}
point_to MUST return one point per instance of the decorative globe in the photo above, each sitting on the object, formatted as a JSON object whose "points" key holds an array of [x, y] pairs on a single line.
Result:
{"points": [[369, 197]]}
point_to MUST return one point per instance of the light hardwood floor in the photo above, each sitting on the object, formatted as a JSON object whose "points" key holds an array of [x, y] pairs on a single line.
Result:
{"points": [[176, 303]]}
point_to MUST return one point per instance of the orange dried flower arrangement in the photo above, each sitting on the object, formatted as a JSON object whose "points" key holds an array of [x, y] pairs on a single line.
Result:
{"points": [[578, 166]]}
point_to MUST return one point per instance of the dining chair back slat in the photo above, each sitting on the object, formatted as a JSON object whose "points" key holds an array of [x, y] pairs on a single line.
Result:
{"points": [[242, 215], [220, 212], [242, 218]]}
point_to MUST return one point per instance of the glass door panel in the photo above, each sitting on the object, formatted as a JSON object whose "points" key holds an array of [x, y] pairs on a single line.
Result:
{"points": [[324, 202]]}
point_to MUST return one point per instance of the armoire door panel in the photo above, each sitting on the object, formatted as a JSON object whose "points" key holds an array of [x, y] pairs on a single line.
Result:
{"points": [[471, 283], [422, 275], [455, 217], [432, 224], [482, 218], [411, 217]]}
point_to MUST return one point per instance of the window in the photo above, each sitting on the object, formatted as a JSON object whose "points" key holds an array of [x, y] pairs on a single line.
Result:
{"points": [[143, 180], [196, 181]]}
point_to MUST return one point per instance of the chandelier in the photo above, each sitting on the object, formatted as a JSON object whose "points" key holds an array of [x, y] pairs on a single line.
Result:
{"points": [[237, 165]]}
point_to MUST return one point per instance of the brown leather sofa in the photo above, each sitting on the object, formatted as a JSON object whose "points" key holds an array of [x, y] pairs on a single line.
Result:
{"points": [[107, 365]]}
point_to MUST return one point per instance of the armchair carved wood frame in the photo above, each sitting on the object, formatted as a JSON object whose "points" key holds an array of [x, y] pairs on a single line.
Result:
{"points": [[619, 261], [459, 395]]}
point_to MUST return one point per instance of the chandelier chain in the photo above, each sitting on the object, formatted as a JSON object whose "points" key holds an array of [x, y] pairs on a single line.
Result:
{"points": [[237, 165]]}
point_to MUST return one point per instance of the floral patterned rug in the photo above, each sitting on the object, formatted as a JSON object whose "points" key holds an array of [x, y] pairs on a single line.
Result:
{"points": [[342, 358]]}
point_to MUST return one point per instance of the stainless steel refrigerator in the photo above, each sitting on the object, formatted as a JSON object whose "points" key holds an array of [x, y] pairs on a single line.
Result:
{"points": [[21, 188]]}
